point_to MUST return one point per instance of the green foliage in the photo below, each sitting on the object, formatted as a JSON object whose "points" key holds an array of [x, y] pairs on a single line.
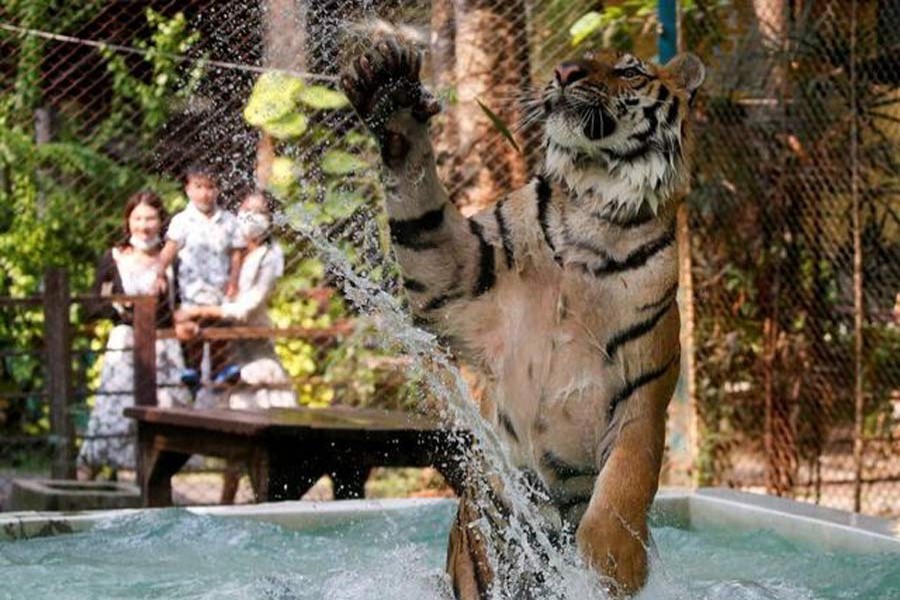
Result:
{"points": [[616, 26], [152, 97], [60, 202], [327, 180], [16, 108]]}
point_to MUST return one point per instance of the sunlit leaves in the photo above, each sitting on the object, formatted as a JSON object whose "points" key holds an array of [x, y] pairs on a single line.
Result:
{"points": [[276, 104], [338, 162], [322, 98], [586, 26], [274, 97]]}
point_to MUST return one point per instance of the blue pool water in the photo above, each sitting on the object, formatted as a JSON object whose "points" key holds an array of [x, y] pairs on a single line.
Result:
{"points": [[399, 556]]}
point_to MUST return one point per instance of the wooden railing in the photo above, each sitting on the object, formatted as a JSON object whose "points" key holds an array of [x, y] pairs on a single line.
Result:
{"points": [[58, 353]]}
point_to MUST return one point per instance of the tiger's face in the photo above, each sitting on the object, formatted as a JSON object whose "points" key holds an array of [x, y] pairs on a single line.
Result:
{"points": [[614, 103]]}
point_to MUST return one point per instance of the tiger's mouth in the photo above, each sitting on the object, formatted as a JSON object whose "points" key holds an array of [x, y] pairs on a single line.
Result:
{"points": [[571, 115]]}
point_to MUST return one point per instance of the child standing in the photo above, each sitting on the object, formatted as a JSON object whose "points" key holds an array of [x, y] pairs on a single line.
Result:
{"points": [[206, 240]]}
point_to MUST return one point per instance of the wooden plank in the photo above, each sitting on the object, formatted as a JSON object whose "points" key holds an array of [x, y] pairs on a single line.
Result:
{"points": [[317, 334], [14, 302], [286, 420], [58, 347], [145, 351], [210, 420]]}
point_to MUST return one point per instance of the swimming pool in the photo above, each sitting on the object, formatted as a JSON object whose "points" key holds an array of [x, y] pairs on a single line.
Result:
{"points": [[715, 545]]}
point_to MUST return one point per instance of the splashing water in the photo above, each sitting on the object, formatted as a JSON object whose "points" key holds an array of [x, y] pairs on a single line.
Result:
{"points": [[524, 527]]}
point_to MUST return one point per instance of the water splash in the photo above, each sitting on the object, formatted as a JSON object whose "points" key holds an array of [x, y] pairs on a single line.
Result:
{"points": [[561, 571]]}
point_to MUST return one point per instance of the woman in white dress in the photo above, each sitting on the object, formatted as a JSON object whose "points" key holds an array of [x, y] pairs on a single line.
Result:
{"points": [[129, 269]]}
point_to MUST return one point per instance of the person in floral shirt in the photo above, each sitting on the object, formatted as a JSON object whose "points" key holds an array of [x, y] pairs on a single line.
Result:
{"points": [[206, 241]]}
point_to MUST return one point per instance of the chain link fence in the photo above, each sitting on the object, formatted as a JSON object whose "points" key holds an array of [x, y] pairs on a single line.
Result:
{"points": [[791, 371], [795, 248]]}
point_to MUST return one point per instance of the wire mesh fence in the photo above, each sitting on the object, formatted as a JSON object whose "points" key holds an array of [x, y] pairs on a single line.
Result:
{"points": [[795, 253], [792, 374]]}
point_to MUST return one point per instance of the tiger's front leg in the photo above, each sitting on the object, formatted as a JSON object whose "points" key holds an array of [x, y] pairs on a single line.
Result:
{"points": [[434, 243], [613, 534]]}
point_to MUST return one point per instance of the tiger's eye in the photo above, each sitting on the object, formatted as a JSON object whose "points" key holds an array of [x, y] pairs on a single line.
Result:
{"points": [[629, 73]]}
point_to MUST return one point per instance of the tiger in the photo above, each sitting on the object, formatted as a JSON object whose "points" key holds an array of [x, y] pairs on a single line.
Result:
{"points": [[562, 295]]}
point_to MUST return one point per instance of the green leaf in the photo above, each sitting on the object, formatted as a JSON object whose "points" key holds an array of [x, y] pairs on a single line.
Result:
{"points": [[340, 202], [322, 98], [499, 125], [585, 27], [289, 126], [338, 162], [282, 177], [274, 96]]}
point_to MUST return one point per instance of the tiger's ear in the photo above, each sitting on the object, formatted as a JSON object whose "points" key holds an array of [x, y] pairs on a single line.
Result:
{"points": [[687, 70]]}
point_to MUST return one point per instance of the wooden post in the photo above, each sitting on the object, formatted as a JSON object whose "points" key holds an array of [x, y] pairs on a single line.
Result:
{"points": [[58, 348], [145, 351]]}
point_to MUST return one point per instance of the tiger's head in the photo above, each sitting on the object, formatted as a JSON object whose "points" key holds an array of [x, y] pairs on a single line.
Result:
{"points": [[615, 122]]}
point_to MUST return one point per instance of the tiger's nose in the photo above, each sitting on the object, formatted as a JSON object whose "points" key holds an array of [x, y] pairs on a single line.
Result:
{"points": [[568, 73]]}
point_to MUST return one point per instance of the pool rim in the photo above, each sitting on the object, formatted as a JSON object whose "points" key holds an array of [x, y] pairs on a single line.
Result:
{"points": [[824, 528]]}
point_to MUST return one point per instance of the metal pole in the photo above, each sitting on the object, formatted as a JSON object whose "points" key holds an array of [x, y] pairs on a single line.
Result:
{"points": [[668, 30]]}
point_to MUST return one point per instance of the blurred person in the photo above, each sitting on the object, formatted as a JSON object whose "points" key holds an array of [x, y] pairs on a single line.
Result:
{"points": [[128, 269], [261, 381], [205, 239]]}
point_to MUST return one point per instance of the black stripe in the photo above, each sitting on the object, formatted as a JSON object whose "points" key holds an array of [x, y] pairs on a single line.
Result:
{"points": [[667, 296], [663, 94], [642, 217], [652, 123], [563, 470], [632, 386], [568, 504], [486, 276], [637, 258], [409, 232], [507, 425], [544, 193], [672, 113], [631, 155], [504, 234], [588, 247], [441, 301], [635, 331], [413, 285]]}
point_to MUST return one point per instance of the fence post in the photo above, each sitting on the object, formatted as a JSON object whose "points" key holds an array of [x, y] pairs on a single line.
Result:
{"points": [[145, 351], [667, 41], [58, 348]]}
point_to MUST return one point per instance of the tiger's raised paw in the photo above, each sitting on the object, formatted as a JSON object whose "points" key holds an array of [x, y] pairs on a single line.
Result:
{"points": [[384, 81]]}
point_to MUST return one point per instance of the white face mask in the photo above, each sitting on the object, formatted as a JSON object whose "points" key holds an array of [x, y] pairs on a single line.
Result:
{"points": [[254, 225], [144, 244]]}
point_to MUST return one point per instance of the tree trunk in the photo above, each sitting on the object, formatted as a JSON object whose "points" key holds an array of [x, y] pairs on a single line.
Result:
{"points": [[443, 68], [491, 64]]}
